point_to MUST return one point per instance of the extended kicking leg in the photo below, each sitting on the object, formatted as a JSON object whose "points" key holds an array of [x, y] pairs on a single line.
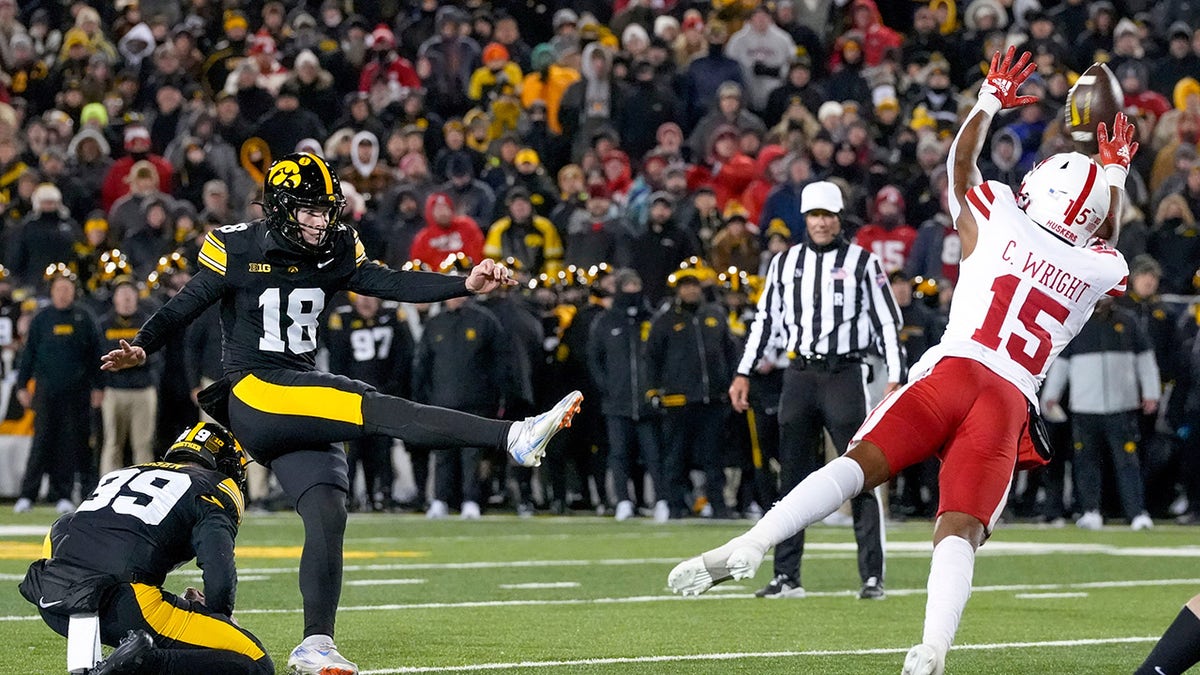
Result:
{"points": [[818, 495]]}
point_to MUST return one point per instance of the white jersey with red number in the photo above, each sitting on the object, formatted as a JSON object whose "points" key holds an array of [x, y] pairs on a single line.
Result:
{"points": [[1023, 294]]}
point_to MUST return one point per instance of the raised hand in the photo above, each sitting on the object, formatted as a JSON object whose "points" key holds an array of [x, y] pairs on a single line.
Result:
{"points": [[1119, 149], [126, 357], [487, 276], [1005, 77]]}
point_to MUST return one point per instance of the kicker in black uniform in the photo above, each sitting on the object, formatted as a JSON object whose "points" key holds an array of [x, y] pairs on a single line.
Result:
{"points": [[273, 277]]}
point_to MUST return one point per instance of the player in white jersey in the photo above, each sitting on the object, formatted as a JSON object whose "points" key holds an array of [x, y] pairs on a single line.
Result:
{"points": [[1033, 267]]}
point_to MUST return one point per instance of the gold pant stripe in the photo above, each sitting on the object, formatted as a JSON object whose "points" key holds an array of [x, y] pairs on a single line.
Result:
{"points": [[305, 401], [755, 448], [191, 628]]}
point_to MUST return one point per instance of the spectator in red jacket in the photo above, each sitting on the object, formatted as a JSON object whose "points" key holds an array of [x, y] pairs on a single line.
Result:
{"points": [[385, 63], [137, 144], [445, 234], [888, 236]]}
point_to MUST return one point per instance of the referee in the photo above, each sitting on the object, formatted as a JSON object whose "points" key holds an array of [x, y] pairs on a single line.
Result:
{"points": [[832, 302]]}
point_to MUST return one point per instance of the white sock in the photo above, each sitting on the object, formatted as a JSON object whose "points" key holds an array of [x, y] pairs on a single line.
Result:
{"points": [[814, 498], [949, 587]]}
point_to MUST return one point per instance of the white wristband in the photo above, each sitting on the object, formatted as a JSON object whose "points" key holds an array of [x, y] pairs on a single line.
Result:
{"points": [[1115, 174], [988, 103]]}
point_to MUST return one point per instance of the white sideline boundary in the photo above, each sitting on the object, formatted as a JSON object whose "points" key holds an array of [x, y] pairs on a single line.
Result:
{"points": [[711, 597], [733, 656]]}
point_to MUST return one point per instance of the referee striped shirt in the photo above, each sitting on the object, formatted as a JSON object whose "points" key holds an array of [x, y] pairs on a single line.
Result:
{"points": [[826, 301]]}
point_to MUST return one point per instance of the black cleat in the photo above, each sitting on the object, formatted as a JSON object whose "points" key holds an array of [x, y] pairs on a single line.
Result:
{"points": [[128, 656], [872, 589], [782, 586]]}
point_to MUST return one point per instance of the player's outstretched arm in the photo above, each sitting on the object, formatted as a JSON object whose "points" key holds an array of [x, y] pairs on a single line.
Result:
{"points": [[371, 278], [203, 290], [998, 91], [1116, 154]]}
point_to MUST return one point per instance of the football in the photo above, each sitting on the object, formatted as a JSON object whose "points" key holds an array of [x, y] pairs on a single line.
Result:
{"points": [[1096, 97]]}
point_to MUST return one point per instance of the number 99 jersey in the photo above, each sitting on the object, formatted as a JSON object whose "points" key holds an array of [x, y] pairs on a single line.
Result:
{"points": [[144, 521], [1022, 294]]}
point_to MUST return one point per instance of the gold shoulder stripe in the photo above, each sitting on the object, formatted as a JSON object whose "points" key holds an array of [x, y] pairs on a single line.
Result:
{"points": [[360, 251], [212, 254], [228, 487]]}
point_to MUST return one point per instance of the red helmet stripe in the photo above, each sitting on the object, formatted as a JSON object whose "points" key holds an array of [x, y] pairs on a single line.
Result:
{"points": [[1083, 196]]}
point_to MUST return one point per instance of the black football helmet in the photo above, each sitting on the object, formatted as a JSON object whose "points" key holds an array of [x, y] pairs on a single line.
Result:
{"points": [[212, 446], [302, 180]]}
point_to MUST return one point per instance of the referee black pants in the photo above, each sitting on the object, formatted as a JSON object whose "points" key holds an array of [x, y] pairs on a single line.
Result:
{"points": [[835, 399]]}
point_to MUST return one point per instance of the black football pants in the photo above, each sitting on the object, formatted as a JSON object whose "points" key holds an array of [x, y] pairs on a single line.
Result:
{"points": [[836, 400], [291, 421]]}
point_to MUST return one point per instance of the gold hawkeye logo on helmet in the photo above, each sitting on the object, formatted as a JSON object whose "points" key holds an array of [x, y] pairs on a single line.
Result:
{"points": [[285, 174]]}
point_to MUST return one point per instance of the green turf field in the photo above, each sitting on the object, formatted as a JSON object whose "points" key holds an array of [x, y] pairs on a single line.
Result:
{"points": [[587, 595]]}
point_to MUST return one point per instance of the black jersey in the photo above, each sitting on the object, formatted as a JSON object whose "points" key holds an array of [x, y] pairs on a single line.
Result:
{"points": [[272, 295], [376, 350], [142, 522]]}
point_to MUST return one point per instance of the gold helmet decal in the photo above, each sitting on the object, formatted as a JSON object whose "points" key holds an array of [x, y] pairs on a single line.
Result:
{"points": [[285, 174]]}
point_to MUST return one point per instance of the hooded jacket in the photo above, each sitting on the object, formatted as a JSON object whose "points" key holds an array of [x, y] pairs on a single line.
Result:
{"points": [[133, 57], [435, 242]]}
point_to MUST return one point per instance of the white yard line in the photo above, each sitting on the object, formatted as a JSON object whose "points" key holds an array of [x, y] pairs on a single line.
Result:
{"points": [[732, 656], [827, 550], [712, 597], [1048, 596], [536, 585], [385, 582]]}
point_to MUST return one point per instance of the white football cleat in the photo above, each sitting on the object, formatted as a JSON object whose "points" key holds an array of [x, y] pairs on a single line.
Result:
{"points": [[437, 510], [1141, 522], [64, 506], [624, 510], [470, 511], [662, 511], [527, 439], [317, 656], [738, 559], [1090, 521], [23, 505], [924, 659]]}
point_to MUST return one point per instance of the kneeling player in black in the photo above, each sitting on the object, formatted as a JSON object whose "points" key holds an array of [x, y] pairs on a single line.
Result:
{"points": [[273, 277], [111, 556]]}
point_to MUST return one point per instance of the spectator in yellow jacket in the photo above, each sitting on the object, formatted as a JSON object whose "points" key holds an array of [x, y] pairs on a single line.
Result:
{"points": [[497, 75], [530, 239], [547, 82]]}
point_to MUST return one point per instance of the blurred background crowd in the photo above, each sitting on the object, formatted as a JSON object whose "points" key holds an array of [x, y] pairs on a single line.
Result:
{"points": [[637, 162]]}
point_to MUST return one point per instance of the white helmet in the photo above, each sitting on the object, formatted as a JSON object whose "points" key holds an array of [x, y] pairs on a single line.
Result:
{"points": [[1067, 194]]}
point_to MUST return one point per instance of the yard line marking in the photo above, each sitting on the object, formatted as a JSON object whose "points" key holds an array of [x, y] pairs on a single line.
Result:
{"points": [[1048, 596], [536, 585], [384, 582], [831, 551], [733, 656], [712, 597], [24, 530]]}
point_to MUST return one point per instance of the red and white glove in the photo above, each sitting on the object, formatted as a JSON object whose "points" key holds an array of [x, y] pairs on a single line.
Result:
{"points": [[1117, 151], [999, 90]]}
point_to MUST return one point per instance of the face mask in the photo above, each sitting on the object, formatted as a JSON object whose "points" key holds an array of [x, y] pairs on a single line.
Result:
{"points": [[629, 300]]}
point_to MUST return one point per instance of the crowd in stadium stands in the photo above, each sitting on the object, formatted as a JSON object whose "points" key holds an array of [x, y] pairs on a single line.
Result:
{"points": [[631, 160]]}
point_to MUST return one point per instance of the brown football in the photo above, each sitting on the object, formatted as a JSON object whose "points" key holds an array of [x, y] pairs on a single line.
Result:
{"points": [[1096, 97]]}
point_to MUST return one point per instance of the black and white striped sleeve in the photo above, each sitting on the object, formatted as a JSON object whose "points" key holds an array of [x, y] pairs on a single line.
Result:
{"points": [[769, 314], [885, 317]]}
